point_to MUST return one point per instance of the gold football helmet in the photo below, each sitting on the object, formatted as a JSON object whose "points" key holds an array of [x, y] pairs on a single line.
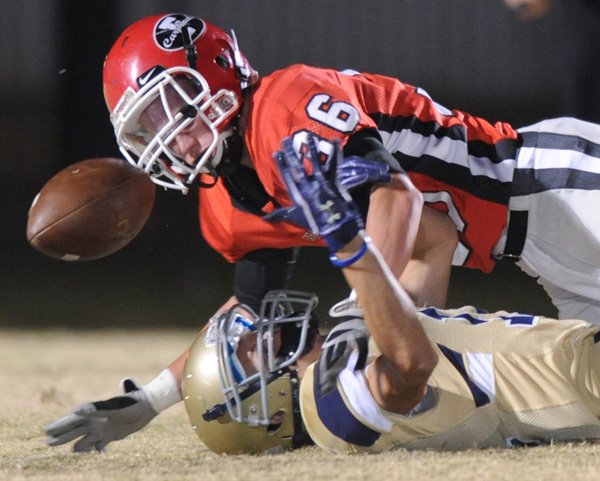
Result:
{"points": [[242, 400]]}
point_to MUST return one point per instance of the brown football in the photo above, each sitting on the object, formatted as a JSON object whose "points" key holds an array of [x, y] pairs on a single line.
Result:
{"points": [[90, 209]]}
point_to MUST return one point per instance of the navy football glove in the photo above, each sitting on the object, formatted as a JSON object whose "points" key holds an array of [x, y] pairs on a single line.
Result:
{"points": [[327, 208], [347, 173], [353, 171]]}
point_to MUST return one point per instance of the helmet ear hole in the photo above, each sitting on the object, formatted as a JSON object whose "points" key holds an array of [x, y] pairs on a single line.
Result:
{"points": [[276, 422], [223, 62]]}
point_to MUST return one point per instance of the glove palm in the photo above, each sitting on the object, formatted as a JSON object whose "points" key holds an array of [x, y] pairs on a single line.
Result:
{"points": [[101, 422], [327, 208], [345, 173]]}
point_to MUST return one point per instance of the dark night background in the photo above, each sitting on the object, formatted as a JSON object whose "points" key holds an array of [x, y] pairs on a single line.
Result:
{"points": [[472, 55]]}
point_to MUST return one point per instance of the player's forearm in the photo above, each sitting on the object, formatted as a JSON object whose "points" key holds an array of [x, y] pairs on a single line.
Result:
{"points": [[178, 365], [393, 221], [390, 314], [427, 275]]}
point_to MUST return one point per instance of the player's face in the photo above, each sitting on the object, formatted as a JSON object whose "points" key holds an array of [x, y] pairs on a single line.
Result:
{"points": [[192, 142], [247, 353], [194, 139]]}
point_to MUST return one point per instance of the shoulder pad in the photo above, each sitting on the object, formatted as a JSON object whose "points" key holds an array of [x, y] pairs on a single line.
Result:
{"points": [[344, 339]]}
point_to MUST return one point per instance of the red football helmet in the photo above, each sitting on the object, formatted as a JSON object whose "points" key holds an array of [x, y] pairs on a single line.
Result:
{"points": [[145, 68]]}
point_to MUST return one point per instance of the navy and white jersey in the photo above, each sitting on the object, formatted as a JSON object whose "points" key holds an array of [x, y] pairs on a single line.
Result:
{"points": [[503, 379]]}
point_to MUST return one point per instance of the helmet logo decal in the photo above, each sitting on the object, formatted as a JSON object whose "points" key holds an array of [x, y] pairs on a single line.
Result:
{"points": [[148, 75], [168, 31]]}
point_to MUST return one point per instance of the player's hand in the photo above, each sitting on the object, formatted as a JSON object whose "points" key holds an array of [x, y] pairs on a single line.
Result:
{"points": [[353, 171], [98, 423], [347, 173], [292, 214], [327, 207]]}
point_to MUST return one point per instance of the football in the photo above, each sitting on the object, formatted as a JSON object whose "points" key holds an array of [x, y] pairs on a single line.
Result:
{"points": [[90, 209]]}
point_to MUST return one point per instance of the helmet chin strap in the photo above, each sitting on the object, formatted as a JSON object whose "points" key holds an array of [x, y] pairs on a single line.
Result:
{"points": [[300, 437], [242, 68], [191, 53], [231, 157], [233, 145], [215, 177], [219, 410]]}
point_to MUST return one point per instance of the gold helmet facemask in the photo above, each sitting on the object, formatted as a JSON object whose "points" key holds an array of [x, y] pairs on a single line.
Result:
{"points": [[236, 411]]}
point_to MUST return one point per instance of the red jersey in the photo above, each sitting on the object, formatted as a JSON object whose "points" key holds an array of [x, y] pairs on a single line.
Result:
{"points": [[461, 163]]}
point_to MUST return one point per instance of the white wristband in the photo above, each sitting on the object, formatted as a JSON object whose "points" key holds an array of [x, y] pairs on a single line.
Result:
{"points": [[162, 392]]}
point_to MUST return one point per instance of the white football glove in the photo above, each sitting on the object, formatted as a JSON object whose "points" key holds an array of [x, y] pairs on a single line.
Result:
{"points": [[101, 422]]}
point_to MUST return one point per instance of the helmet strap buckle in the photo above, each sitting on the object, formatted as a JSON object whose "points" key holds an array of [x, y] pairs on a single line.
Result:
{"points": [[191, 53]]}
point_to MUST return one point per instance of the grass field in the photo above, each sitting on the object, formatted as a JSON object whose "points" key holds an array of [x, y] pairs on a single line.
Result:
{"points": [[43, 374]]}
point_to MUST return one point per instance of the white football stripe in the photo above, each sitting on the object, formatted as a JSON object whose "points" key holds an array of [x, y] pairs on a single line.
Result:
{"points": [[447, 150], [567, 126], [358, 394], [536, 158], [481, 370]]}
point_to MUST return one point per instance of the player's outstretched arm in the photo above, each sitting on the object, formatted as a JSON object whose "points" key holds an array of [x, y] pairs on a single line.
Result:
{"points": [[95, 424], [398, 378]]}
